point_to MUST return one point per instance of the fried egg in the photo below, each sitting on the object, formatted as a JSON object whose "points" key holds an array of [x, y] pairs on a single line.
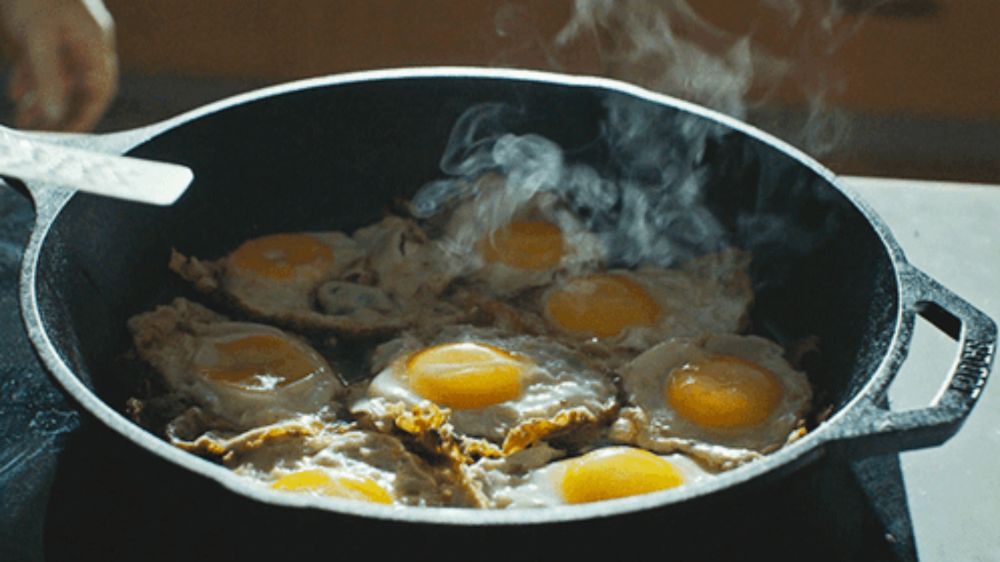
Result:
{"points": [[725, 399], [343, 462], [276, 277], [247, 374], [381, 280], [510, 391], [602, 474], [635, 309], [505, 241]]}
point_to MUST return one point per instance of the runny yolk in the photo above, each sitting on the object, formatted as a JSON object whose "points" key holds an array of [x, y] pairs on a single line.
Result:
{"points": [[465, 375], [616, 472], [602, 305], [279, 256], [723, 392], [259, 362], [347, 486], [531, 245]]}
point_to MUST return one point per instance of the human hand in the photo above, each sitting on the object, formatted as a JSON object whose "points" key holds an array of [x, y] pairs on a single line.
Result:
{"points": [[65, 70]]}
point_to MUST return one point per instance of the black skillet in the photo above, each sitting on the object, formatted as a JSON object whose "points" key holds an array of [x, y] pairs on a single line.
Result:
{"points": [[331, 153]]}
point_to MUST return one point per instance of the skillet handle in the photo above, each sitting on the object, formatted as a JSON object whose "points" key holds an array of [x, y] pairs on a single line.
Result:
{"points": [[876, 430]]}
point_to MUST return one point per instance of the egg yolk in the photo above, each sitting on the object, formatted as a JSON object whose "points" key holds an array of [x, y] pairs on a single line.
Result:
{"points": [[345, 486], [465, 375], [280, 256], [259, 362], [531, 245], [616, 472], [602, 305], [723, 392]]}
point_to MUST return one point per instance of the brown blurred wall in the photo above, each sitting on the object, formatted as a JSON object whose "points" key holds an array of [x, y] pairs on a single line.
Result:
{"points": [[941, 61]]}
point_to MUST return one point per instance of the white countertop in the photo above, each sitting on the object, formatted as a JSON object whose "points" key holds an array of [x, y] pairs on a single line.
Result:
{"points": [[952, 232]]}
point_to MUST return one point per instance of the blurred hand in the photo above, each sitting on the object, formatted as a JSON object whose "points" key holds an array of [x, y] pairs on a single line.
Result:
{"points": [[65, 71]]}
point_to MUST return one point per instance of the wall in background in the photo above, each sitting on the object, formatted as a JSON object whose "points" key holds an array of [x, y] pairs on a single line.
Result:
{"points": [[917, 80], [939, 58]]}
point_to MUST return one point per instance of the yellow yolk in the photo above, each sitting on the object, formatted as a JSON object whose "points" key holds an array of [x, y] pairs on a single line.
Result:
{"points": [[465, 375], [259, 362], [602, 305], [279, 256], [723, 392], [616, 472], [532, 245], [345, 486]]}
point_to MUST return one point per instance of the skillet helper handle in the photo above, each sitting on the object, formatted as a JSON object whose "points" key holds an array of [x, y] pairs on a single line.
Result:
{"points": [[877, 430]]}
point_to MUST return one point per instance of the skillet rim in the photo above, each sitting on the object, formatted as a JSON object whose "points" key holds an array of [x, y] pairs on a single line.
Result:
{"points": [[808, 448]]}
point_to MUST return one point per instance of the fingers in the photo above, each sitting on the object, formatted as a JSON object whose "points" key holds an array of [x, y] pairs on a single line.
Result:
{"points": [[18, 83], [91, 55], [45, 107], [20, 91], [94, 84], [67, 92], [66, 71]]}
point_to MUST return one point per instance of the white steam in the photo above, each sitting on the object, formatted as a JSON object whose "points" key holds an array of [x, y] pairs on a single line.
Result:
{"points": [[642, 44], [647, 209], [668, 47], [645, 194]]}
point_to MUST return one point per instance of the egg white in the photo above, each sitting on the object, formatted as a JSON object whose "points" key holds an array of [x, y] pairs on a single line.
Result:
{"points": [[178, 340], [401, 260], [495, 205], [342, 450], [647, 420], [560, 390], [709, 295], [533, 478], [381, 280]]}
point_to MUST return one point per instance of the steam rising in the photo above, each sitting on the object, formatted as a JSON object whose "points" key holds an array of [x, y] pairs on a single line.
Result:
{"points": [[647, 207], [643, 189], [668, 47], [644, 46]]}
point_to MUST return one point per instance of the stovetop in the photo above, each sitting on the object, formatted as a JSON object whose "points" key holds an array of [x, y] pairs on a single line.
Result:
{"points": [[74, 490]]}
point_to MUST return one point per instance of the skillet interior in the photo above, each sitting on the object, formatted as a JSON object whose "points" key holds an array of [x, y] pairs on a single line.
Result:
{"points": [[333, 157]]}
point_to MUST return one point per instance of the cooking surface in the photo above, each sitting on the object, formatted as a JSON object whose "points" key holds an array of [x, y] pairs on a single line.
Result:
{"points": [[99, 501]]}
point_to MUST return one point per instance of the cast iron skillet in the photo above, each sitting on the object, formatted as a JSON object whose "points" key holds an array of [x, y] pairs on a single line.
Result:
{"points": [[331, 153]]}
